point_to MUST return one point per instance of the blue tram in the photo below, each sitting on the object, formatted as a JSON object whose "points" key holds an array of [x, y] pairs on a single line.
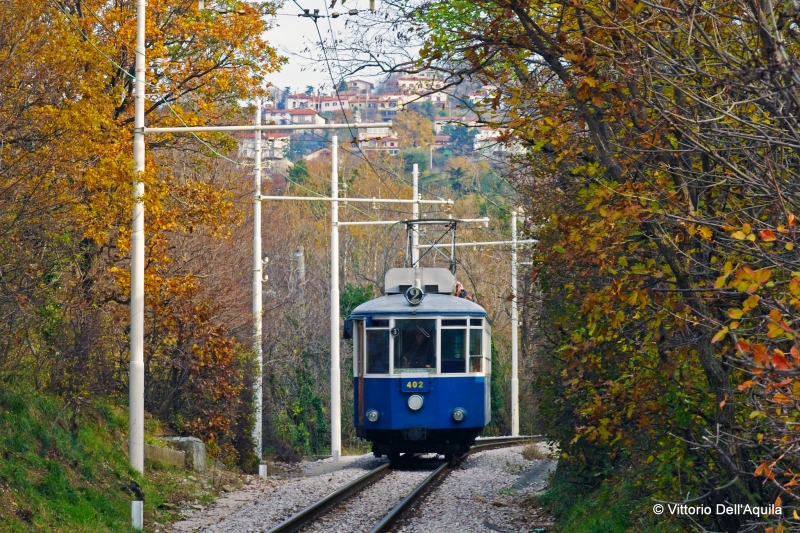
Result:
{"points": [[422, 366]]}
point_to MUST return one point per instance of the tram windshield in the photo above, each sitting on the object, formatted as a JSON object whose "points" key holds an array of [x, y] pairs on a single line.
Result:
{"points": [[414, 346]]}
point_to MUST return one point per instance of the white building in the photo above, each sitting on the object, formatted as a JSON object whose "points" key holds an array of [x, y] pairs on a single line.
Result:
{"points": [[418, 84], [359, 87], [292, 116], [373, 133], [490, 141], [274, 145], [299, 101], [383, 144], [331, 103], [305, 116]]}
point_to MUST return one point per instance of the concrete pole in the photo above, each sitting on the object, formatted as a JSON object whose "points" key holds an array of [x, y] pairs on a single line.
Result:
{"points": [[514, 329], [136, 376], [336, 395], [415, 215], [257, 288]]}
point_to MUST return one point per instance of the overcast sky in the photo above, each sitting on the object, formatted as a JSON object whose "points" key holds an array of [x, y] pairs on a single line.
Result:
{"points": [[296, 38]]}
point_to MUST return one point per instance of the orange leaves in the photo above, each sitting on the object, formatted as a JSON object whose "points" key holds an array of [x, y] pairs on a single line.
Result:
{"points": [[746, 280], [767, 235], [765, 469], [777, 327], [781, 398], [779, 360], [746, 385], [762, 360]]}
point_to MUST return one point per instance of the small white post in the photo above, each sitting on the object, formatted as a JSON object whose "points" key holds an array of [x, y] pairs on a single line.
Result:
{"points": [[336, 408], [514, 329], [137, 515], [415, 215], [257, 288], [136, 377]]}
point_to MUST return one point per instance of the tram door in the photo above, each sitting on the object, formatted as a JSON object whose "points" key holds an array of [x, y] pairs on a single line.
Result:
{"points": [[360, 357]]}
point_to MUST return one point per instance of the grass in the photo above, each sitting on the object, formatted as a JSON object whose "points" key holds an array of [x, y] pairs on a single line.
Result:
{"points": [[64, 468], [536, 452], [610, 508]]}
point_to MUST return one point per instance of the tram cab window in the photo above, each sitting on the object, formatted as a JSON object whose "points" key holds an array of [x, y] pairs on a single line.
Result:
{"points": [[454, 348], [476, 350], [414, 346], [377, 351]]}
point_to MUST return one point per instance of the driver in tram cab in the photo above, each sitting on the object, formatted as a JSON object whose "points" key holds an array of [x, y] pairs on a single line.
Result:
{"points": [[416, 354]]}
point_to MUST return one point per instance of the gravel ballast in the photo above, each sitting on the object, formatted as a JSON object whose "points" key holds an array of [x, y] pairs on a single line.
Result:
{"points": [[480, 495], [363, 511], [264, 504]]}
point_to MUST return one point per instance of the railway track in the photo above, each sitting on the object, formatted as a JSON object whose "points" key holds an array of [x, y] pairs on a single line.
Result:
{"points": [[306, 517]]}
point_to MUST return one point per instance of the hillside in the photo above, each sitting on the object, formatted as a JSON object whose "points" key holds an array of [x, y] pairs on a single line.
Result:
{"points": [[64, 468]]}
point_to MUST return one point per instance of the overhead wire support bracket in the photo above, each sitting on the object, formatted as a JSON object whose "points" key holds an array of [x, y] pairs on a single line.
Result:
{"points": [[266, 127]]}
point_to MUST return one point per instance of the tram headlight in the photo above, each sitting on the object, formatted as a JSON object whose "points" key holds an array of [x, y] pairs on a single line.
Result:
{"points": [[459, 414], [372, 415], [415, 402]]}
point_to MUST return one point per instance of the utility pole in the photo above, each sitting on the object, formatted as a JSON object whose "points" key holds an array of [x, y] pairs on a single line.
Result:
{"points": [[136, 376], [257, 304], [415, 216], [336, 396], [514, 329]]}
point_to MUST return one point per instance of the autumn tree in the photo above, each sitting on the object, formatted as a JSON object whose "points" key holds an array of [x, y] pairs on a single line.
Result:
{"points": [[413, 130], [66, 174], [662, 173]]}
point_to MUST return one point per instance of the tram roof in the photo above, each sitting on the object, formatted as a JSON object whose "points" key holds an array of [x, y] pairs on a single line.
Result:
{"points": [[432, 304]]}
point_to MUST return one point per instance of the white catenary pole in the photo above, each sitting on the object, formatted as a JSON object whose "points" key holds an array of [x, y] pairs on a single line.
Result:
{"points": [[415, 215], [136, 377], [257, 288], [514, 329], [336, 408]]}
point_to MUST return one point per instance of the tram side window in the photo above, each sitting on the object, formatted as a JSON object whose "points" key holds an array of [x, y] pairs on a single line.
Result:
{"points": [[454, 356], [415, 346], [377, 351], [476, 350]]}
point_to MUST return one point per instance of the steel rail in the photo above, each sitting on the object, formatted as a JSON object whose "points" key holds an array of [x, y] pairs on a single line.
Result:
{"points": [[389, 519], [302, 518], [439, 474]]}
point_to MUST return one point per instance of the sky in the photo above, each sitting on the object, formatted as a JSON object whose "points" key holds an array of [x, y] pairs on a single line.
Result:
{"points": [[292, 35]]}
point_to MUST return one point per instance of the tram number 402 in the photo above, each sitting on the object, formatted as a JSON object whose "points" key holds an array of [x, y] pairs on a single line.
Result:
{"points": [[416, 385]]}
